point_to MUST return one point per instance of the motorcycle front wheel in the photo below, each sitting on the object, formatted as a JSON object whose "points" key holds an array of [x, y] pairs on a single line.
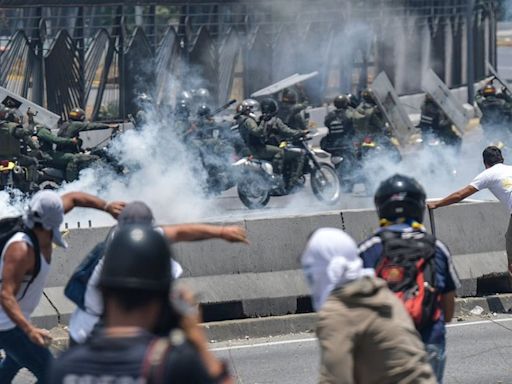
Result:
{"points": [[253, 190], [325, 184]]}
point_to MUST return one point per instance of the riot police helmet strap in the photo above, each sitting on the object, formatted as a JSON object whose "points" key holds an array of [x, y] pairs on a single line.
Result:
{"points": [[400, 197], [138, 257]]}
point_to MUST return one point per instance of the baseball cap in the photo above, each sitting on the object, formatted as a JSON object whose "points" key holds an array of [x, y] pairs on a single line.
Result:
{"points": [[136, 212], [46, 208]]}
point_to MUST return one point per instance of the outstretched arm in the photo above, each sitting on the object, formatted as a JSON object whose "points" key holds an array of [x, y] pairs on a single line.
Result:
{"points": [[196, 232], [455, 197], [81, 199]]}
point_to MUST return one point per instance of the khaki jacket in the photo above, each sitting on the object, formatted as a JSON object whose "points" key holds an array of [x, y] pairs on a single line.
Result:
{"points": [[366, 336]]}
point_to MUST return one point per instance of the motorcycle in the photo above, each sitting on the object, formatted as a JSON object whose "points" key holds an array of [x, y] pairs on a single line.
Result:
{"points": [[258, 182]]}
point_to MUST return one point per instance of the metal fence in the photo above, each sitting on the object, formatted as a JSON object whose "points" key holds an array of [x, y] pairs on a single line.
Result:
{"points": [[101, 56]]}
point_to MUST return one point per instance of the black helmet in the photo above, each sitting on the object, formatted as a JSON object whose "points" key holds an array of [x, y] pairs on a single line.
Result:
{"points": [[354, 102], [185, 95], [204, 111], [289, 96], [341, 102], [367, 96], [269, 107], [400, 197], [182, 108], [137, 257], [77, 114], [201, 94]]}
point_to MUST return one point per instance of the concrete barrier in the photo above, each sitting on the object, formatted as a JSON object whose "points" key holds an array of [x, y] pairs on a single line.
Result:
{"points": [[264, 278]]}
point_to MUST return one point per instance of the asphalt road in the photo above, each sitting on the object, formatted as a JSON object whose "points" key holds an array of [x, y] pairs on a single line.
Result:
{"points": [[478, 352]]}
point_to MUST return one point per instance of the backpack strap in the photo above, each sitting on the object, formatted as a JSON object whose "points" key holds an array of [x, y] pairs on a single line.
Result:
{"points": [[155, 360], [37, 265]]}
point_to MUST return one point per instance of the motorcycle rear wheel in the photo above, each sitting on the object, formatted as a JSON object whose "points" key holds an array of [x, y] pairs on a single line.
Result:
{"points": [[325, 184]]}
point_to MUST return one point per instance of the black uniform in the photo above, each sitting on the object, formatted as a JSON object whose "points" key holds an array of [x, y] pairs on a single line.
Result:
{"points": [[435, 122], [120, 360]]}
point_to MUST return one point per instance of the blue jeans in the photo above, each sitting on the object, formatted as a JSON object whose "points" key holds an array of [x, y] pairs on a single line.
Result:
{"points": [[437, 359], [22, 353]]}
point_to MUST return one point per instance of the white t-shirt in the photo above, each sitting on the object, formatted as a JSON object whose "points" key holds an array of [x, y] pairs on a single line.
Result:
{"points": [[81, 323], [498, 179], [34, 292]]}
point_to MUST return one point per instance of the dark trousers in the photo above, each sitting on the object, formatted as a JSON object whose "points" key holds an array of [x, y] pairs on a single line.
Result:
{"points": [[22, 353]]}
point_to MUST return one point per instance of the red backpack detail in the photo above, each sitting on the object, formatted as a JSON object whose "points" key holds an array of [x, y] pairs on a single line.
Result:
{"points": [[407, 264]]}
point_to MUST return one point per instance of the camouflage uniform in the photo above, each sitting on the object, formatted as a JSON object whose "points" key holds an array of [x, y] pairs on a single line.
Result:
{"points": [[69, 163], [264, 143], [27, 154], [72, 129], [369, 120], [291, 115]]}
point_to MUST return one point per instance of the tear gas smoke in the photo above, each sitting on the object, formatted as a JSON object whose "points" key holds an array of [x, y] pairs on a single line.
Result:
{"points": [[161, 172]]}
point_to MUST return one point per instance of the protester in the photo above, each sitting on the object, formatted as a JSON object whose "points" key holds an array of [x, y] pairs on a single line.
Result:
{"points": [[135, 283], [497, 177], [417, 267], [83, 320], [24, 277], [365, 334]]}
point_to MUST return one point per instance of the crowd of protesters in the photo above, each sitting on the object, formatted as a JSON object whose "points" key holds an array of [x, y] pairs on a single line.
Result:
{"points": [[382, 306]]}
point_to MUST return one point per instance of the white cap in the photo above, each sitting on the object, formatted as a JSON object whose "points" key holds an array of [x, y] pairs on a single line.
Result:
{"points": [[46, 208], [331, 260]]}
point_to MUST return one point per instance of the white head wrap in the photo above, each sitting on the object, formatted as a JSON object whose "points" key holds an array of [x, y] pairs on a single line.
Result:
{"points": [[331, 260]]}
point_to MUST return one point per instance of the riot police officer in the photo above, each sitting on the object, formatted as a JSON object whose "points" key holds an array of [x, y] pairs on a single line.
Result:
{"points": [[69, 163], [291, 112], [182, 117], [247, 121], [369, 119], [340, 124], [76, 124], [17, 143], [496, 113], [265, 143], [435, 122]]}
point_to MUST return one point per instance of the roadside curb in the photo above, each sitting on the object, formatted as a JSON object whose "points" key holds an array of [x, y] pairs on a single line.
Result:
{"points": [[305, 323]]}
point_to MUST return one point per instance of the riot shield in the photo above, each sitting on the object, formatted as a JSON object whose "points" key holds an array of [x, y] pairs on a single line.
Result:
{"points": [[283, 84], [443, 97], [388, 101], [43, 116]]}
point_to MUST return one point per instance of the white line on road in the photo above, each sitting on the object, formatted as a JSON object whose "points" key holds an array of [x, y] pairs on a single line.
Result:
{"points": [[272, 343], [284, 342], [478, 323]]}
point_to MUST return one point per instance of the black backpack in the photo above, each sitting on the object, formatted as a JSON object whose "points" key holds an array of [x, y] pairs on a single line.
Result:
{"points": [[407, 264], [10, 226]]}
